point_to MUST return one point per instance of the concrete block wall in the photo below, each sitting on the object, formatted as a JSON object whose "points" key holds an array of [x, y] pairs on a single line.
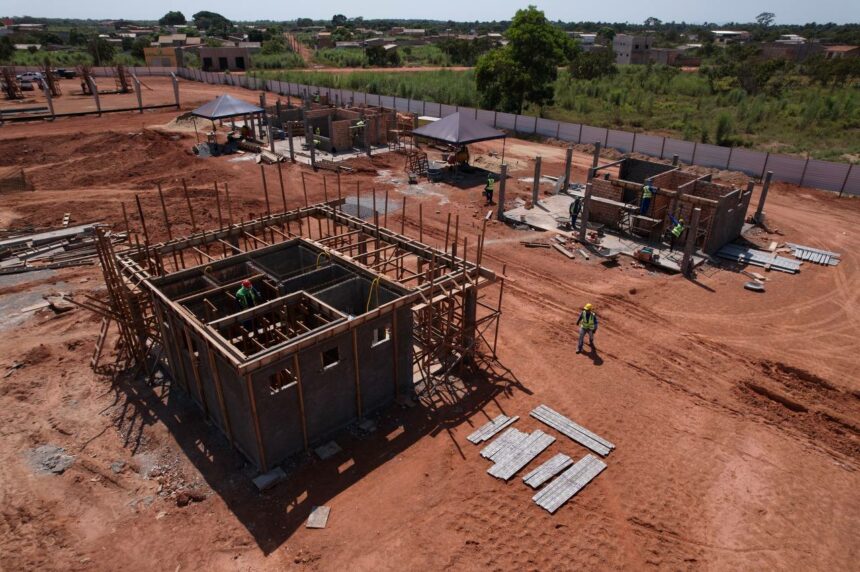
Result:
{"points": [[671, 180], [603, 213], [341, 137]]}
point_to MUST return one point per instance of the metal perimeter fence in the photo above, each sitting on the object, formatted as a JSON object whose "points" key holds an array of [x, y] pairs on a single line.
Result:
{"points": [[842, 178]]}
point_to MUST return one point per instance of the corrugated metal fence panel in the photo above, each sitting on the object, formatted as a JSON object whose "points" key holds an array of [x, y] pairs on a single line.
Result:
{"points": [[788, 169], [416, 106], [371, 99], [683, 149], [593, 134], [621, 140], [386, 101], [401, 104], [469, 112], [505, 120], [749, 162], [447, 110], [486, 117], [712, 156], [547, 127], [852, 184], [648, 144], [526, 124], [825, 175], [433, 109], [569, 132]]}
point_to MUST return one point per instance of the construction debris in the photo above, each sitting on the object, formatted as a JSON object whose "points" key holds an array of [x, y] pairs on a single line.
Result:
{"points": [[814, 255], [767, 260], [548, 470], [486, 431], [52, 248], [569, 483], [576, 432], [514, 457], [755, 286], [268, 480], [564, 251]]}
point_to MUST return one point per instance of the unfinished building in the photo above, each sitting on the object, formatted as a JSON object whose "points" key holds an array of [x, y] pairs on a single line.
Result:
{"points": [[615, 200], [338, 129], [352, 316]]}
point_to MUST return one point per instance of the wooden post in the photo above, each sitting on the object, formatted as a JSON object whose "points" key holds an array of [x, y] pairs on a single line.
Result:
{"points": [[290, 141], [403, 217], [421, 223], [190, 210], [283, 189], [690, 246], [305, 188], [229, 204], [145, 233], [536, 183], [167, 226], [266, 191], [456, 237], [447, 230], [385, 215], [357, 373]]}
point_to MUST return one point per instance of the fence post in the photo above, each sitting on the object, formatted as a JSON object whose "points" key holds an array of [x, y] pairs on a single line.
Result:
{"points": [[633, 145], [495, 116], [557, 129], [138, 93], [803, 173], [579, 135], [568, 159], [764, 167], [606, 139], [175, 88], [845, 182], [729, 160], [695, 148], [516, 116], [536, 122], [663, 147]]}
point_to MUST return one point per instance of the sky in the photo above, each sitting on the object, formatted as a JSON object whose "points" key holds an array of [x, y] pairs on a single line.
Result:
{"points": [[633, 11]]}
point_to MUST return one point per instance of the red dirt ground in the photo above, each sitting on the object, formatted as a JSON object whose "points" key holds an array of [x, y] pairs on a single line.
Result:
{"points": [[735, 414]]}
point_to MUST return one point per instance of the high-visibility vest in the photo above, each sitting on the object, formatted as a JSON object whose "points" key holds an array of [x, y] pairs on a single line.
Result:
{"points": [[489, 186], [587, 320], [246, 297], [677, 230], [647, 193]]}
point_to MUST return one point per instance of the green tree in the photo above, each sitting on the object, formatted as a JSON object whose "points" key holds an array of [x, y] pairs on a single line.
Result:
{"points": [[606, 33], [765, 19], [304, 22], [7, 49], [653, 22], [339, 20], [172, 18], [593, 65], [212, 22], [138, 46], [377, 56], [535, 51], [100, 50], [725, 128], [276, 45]]}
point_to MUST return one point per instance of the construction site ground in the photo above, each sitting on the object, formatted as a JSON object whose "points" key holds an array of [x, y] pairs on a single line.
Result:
{"points": [[735, 413]]}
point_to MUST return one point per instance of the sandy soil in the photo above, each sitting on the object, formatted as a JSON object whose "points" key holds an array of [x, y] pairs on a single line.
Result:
{"points": [[735, 414]]}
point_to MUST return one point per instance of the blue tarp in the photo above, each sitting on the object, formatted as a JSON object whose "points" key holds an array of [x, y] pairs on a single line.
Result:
{"points": [[225, 106]]}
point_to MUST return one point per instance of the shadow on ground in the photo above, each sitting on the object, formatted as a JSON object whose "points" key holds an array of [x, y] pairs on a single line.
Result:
{"points": [[272, 516]]}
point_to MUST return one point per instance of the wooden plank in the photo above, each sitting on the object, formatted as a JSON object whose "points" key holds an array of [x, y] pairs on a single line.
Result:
{"points": [[548, 470], [564, 251], [562, 489], [520, 455]]}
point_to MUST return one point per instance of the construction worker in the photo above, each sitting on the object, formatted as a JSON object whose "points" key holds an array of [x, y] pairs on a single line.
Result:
{"points": [[574, 209], [317, 141], [247, 296], [647, 193], [676, 231], [488, 189], [587, 323]]}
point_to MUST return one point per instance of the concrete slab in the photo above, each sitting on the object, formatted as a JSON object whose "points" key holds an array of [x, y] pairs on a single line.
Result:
{"points": [[318, 517], [268, 480], [328, 450], [550, 211]]}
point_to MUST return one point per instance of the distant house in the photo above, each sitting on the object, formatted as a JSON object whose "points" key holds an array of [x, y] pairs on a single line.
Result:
{"points": [[401, 31], [791, 39], [161, 56], [225, 58], [347, 45], [793, 52], [25, 47], [28, 27], [726, 37], [631, 49], [323, 40], [836, 52], [172, 40]]}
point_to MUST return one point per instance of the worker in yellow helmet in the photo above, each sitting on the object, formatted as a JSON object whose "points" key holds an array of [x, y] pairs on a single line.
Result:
{"points": [[587, 323]]}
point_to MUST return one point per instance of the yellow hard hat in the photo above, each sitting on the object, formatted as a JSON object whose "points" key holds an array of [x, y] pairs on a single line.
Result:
{"points": [[588, 306]]}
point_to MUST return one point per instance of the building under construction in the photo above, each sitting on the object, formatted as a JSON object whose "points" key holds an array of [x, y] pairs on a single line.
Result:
{"points": [[352, 316]]}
